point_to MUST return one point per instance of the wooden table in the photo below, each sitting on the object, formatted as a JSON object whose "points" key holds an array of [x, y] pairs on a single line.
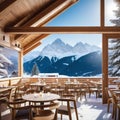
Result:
{"points": [[45, 100], [41, 97]]}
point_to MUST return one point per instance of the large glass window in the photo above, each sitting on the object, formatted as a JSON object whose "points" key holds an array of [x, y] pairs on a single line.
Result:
{"points": [[82, 13], [114, 57], [112, 10], [8, 62], [73, 55]]}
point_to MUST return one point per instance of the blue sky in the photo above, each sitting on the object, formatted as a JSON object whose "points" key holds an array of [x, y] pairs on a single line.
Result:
{"points": [[82, 13]]}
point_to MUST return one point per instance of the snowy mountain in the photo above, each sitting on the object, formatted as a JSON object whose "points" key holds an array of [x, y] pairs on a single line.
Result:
{"points": [[59, 49], [87, 65], [58, 57]]}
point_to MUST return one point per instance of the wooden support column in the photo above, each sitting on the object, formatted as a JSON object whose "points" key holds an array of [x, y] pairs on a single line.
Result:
{"points": [[102, 13], [104, 67], [20, 64]]}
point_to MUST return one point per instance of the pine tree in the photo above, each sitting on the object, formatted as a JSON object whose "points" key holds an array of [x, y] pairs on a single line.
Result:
{"points": [[114, 49], [35, 70]]}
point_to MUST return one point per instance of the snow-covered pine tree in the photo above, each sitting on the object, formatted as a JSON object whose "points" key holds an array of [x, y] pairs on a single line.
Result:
{"points": [[35, 70], [114, 48]]}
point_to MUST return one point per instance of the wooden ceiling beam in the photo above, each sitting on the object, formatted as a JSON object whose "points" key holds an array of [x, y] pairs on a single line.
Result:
{"points": [[40, 18], [46, 15], [31, 48], [6, 4], [35, 41], [51, 30]]}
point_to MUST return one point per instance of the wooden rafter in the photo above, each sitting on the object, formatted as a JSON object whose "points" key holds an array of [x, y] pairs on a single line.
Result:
{"points": [[50, 30], [46, 15], [35, 41], [6, 4], [48, 12], [31, 48]]}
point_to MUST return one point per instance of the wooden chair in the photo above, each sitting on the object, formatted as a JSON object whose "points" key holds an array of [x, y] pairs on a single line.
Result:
{"points": [[3, 96], [109, 98], [20, 109], [66, 108], [47, 88], [84, 89], [92, 89], [45, 111], [20, 90], [116, 106]]}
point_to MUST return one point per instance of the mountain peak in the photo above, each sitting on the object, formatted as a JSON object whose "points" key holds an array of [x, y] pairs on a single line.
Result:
{"points": [[58, 41], [79, 44]]}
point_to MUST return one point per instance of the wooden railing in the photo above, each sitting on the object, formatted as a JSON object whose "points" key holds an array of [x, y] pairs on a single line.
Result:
{"points": [[16, 80]]}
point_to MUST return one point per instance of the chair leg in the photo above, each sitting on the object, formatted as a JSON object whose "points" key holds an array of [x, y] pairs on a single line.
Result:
{"points": [[76, 111], [69, 111], [55, 117], [118, 113], [13, 114], [0, 113], [96, 94], [61, 116], [70, 117], [113, 112], [108, 107], [89, 93]]}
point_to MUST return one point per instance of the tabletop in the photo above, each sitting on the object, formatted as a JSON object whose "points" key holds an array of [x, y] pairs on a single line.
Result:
{"points": [[40, 97]]}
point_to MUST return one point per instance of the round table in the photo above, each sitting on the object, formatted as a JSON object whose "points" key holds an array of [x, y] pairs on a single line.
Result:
{"points": [[41, 97]]}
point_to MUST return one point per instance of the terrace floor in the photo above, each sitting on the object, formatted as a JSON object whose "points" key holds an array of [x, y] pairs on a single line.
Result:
{"points": [[90, 109]]}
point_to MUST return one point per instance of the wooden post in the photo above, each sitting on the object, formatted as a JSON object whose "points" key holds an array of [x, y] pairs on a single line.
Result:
{"points": [[102, 13], [20, 64], [104, 67]]}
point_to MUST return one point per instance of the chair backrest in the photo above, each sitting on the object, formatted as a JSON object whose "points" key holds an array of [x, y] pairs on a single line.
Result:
{"points": [[108, 92], [20, 110], [69, 98], [67, 108], [5, 93], [115, 97]]}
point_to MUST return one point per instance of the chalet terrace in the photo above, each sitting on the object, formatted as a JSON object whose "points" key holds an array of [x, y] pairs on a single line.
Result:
{"points": [[23, 26]]}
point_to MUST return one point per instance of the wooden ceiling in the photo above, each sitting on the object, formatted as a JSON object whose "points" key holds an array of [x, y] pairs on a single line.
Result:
{"points": [[29, 13]]}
